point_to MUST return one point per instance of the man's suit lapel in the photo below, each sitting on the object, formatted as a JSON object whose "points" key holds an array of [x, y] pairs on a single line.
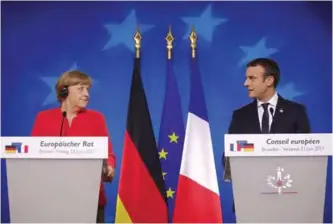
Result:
{"points": [[279, 112], [254, 118]]}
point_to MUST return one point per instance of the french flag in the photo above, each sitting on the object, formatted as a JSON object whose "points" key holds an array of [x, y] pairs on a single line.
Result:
{"points": [[197, 198]]}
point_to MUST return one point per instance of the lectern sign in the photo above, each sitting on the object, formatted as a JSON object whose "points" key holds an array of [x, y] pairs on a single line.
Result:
{"points": [[53, 147], [278, 145]]}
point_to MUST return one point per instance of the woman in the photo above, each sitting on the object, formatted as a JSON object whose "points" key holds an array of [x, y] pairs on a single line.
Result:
{"points": [[73, 119]]}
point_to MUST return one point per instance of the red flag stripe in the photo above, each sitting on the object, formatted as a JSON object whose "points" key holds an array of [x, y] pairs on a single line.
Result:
{"points": [[203, 208], [137, 190]]}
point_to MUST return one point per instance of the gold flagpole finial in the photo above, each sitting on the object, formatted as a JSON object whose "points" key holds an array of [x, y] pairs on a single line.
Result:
{"points": [[137, 39], [193, 38], [169, 38]]}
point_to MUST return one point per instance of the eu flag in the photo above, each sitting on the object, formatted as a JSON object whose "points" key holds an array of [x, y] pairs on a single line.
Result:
{"points": [[171, 137]]}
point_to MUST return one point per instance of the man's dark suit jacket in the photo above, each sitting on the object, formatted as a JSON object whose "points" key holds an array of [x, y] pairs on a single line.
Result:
{"points": [[289, 117]]}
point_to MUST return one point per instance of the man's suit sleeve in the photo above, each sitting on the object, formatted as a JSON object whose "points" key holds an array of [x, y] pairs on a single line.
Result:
{"points": [[303, 123], [231, 130], [232, 126]]}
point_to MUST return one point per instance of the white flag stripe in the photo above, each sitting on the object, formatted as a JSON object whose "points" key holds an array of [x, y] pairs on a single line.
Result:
{"points": [[198, 161]]}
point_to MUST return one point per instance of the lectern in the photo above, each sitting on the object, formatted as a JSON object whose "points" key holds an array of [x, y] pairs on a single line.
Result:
{"points": [[54, 179], [278, 178]]}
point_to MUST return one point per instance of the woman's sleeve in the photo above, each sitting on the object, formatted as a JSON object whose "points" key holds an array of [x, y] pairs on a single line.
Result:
{"points": [[37, 129], [111, 161]]}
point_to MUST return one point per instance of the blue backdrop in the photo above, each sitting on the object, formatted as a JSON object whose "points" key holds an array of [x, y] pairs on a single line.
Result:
{"points": [[40, 40]]}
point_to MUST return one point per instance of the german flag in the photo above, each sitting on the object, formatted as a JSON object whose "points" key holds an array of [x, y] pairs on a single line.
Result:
{"points": [[248, 147], [141, 193], [10, 149]]}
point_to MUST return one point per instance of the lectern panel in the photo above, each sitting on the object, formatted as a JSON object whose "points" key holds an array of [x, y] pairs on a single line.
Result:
{"points": [[44, 191], [279, 189]]}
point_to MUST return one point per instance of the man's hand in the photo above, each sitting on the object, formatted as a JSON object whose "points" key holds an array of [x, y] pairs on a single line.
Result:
{"points": [[109, 174]]}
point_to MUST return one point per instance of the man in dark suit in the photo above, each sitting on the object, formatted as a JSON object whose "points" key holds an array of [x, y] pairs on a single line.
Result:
{"points": [[269, 112]]}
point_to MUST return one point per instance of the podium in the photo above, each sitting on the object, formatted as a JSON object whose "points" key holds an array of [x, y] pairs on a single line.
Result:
{"points": [[54, 179], [278, 178]]}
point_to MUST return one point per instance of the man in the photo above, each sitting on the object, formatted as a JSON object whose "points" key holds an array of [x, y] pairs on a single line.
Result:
{"points": [[269, 112], [73, 119]]}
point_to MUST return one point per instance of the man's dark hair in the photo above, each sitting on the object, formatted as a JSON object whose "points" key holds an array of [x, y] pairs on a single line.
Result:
{"points": [[270, 66]]}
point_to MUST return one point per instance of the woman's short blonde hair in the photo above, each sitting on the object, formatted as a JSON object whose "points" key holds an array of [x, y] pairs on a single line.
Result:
{"points": [[71, 78]]}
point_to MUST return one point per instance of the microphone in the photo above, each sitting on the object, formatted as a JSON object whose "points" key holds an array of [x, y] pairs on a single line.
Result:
{"points": [[62, 122]]}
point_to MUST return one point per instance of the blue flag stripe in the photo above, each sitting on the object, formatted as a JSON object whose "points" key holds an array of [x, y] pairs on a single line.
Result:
{"points": [[197, 99]]}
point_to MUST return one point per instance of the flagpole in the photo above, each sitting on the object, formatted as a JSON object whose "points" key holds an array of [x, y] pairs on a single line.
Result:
{"points": [[137, 39], [169, 38], [193, 39]]}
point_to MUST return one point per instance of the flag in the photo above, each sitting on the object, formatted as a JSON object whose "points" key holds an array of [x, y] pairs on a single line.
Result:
{"points": [[16, 147], [141, 194], [198, 198], [171, 137]]}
